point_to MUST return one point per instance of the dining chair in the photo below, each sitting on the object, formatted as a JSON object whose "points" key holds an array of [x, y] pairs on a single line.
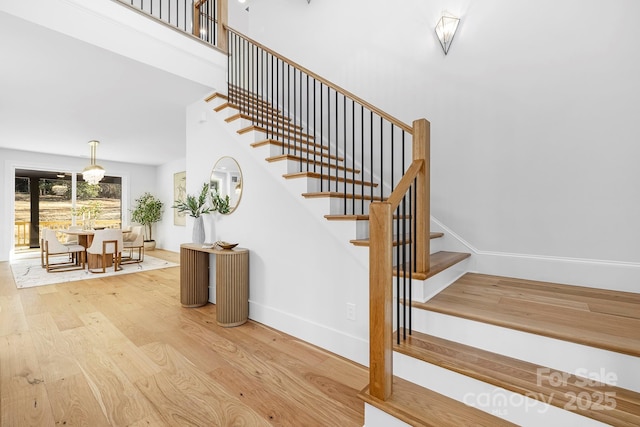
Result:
{"points": [[53, 247], [42, 247], [134, 240], [105, 250], [73, 238]]}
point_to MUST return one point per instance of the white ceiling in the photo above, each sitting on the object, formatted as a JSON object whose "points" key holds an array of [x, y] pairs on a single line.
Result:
{"points": [[58, 92]]}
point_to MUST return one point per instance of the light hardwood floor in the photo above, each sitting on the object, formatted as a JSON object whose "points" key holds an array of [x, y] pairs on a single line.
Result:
{"points": [[121, 351]]}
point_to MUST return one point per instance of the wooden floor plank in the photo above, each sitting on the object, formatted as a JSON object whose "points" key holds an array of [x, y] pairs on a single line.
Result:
{"points": [[595, 317], [123, 351], [54, 353], [72, 403], [199, 394], [24, 401]]}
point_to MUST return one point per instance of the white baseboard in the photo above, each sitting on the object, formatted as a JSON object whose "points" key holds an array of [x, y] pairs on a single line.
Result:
{"points": [[602, 274], [338, 342]]}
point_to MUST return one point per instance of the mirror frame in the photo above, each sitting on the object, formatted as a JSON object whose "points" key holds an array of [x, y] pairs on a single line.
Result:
{"points": [[232, 169]]}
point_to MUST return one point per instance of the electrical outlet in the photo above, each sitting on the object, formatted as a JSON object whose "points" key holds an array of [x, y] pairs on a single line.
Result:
{"points": [[351, 311]]}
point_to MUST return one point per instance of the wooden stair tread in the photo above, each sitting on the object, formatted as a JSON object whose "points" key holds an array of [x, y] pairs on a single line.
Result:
{"points": [[418, 406], [216, 95], [340, 195], [294, 136], [571, 313], [266, 111], [365, 242], [274, 127], [362, 217], [316, 175], [304, 160], [439, 262], [283, 120], [306, 147], [526, 378]]}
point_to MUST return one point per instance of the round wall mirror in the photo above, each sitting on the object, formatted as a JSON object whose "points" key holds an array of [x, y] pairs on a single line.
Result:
{"points": [[226, 180]]}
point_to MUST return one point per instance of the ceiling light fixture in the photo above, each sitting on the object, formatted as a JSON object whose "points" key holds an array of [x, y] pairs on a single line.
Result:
{"points": [[446, 29], [94, 172]]}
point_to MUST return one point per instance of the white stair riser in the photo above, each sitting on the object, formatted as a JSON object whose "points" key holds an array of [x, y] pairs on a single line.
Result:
{"points": [[424, 290], [558, 355], [517, 408], [336, 206], [316, 185], [374, 417]]}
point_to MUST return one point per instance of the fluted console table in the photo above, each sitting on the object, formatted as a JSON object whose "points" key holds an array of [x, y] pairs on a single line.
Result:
{"points": [[232, 281]]}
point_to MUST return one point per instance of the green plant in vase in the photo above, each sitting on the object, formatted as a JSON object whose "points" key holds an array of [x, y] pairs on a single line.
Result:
{"points": [[195, 206], [199, 205]]}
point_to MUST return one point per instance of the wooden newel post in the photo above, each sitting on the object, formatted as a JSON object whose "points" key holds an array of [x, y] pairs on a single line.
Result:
{"points": [[195, 27], [380, 300], [422, 150], [223, 21]]}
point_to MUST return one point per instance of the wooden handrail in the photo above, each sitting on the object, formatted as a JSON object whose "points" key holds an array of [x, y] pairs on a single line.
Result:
{"points": [[403, 186], [335, 87]]}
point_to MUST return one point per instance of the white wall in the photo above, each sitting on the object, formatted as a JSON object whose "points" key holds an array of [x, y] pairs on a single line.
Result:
{"points": [[113, 26], [136, 179], [301, 274], [534, 142]]}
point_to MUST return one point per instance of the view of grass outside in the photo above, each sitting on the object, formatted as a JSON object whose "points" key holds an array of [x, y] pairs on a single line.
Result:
{"points": [[55, 205]]}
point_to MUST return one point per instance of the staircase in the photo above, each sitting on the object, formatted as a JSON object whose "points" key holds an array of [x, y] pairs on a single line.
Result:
{"points": [[483, 351]]}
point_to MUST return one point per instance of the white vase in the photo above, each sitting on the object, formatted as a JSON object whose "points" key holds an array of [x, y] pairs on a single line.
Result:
{"points": [[198, 231]]}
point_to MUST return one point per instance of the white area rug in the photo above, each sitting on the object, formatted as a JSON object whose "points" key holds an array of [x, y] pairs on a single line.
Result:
{"points": [[28, 273]]}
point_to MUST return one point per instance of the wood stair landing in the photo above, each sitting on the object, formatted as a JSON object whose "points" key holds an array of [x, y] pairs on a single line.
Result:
{"points": [[598, 318], [608, 404], [418, 406]]}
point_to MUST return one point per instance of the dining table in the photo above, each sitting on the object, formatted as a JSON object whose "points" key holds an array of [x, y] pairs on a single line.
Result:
{"points": [[85, 237]]}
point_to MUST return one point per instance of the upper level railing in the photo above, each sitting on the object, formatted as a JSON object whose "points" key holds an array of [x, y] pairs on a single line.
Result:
{"points": [[211, 17]]}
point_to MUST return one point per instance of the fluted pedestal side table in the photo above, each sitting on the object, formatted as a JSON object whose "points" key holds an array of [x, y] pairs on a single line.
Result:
{"points": [[194, 275], [232, 287], [232, 281]]}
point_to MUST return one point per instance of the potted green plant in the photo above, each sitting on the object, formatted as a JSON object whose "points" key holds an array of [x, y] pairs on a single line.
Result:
{"points": [[196, 206], [148, 210]]}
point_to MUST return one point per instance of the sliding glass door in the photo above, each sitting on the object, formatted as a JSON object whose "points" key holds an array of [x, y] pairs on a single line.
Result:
{"points": [[59, 200]]}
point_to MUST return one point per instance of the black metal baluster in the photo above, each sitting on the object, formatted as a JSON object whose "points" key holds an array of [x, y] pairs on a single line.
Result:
{"points": [[307, 127], [337, 145]]}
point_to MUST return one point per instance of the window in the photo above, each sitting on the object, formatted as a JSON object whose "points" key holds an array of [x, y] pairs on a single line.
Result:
{"points": [[47, 199]]}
